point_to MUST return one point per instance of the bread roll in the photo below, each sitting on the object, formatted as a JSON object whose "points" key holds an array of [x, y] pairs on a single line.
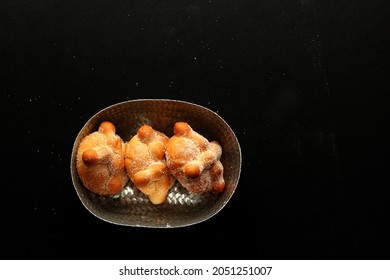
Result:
{"points": [[146, 166], [194, 161], [100, 161]]}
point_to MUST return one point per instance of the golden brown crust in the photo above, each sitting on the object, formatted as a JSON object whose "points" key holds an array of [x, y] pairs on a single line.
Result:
{"points": [[100, 161], [146, 166], [194, 161]]}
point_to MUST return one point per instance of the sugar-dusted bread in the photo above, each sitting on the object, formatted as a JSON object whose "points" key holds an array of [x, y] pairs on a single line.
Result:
{"points": [[194, 161], [100, 161], [146, 166]]}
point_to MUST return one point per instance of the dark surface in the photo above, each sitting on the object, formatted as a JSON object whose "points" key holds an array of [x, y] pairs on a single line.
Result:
{"points": [[302, 84]]}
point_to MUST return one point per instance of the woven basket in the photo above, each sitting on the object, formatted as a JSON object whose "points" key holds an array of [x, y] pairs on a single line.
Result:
{"points": [[131, 207]]}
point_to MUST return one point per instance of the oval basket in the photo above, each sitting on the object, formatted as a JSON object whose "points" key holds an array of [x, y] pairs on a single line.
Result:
{"points": [[131, 207]]}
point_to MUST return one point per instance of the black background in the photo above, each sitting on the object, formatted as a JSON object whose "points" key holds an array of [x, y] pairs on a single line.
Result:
{"points": [[302, 84]]}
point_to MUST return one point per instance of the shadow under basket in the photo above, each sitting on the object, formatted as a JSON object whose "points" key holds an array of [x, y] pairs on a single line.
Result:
{"points": [[182, 208]]}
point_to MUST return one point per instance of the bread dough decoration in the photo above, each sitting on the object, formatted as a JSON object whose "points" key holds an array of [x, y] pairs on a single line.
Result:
{"points": [[146, 166], [194, 161], [100, 161]]}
